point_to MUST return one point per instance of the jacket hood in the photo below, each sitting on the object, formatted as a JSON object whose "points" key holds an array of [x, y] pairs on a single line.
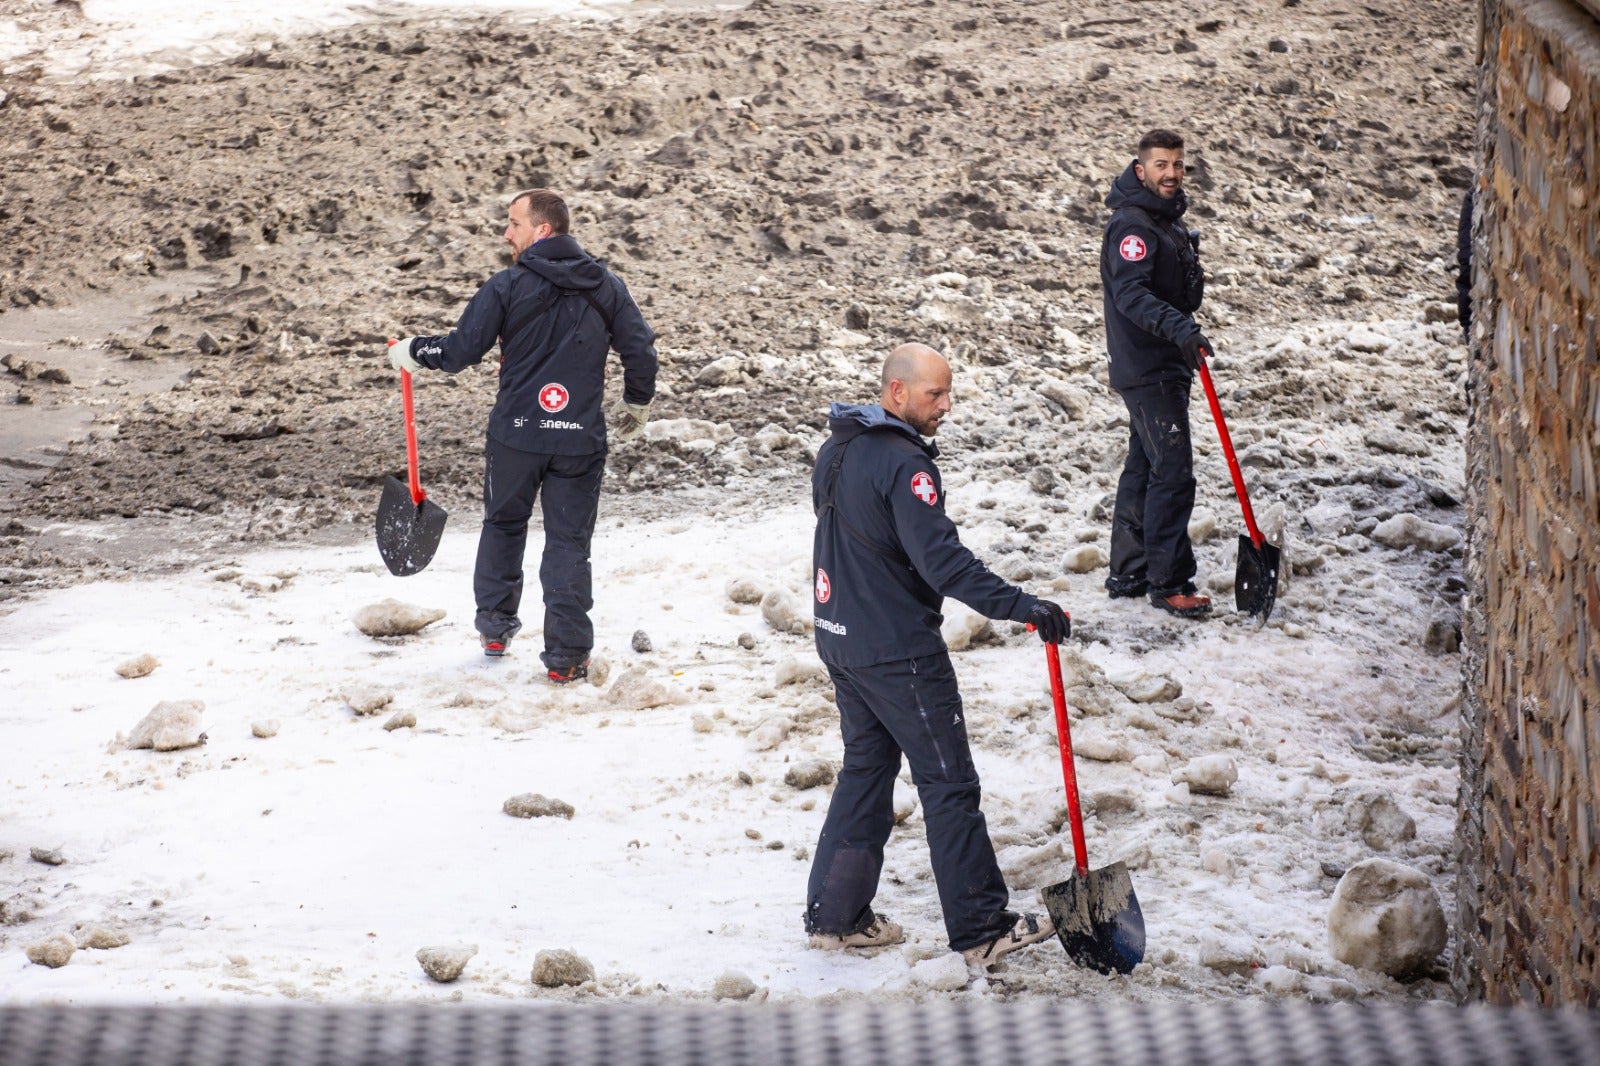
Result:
{"points": [[848, 420], [561, 261], [1129, 191]]}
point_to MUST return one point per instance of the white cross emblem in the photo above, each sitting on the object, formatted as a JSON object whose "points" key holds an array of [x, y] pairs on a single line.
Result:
{"points": [[922, 485], [824, 586], [1132, 248], [553, 397]]}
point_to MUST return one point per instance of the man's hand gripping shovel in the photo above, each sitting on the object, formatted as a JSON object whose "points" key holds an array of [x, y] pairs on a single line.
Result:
{"points": [[409, 524], [1096, 914]]}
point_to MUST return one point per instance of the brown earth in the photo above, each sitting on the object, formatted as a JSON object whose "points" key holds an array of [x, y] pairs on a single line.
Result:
{"points": [[763, 179]]}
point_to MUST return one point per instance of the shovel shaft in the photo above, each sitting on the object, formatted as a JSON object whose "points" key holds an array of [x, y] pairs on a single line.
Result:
{"points": [[417, 495], [1058, 693], [1227, 449]]}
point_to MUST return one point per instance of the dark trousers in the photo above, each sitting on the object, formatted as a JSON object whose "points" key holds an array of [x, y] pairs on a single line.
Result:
{"points": [[909, 706], [568, 489], [1155, 495]]}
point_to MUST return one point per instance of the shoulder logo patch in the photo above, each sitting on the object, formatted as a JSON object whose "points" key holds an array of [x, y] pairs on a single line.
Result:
{"points": [[922, 486], [1132, 248]]}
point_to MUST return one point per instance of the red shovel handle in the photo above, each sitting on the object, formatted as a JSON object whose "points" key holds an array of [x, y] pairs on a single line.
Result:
{"points": [[1227, 449], [1058, 693], [417, 495]]}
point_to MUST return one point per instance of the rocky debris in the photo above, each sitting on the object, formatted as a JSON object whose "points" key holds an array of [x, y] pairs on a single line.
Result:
{"points": [[534, 805], [265, 728], [795, 671], [1098, 746], [946, 972], [702, 723], [905, 801], [1393, 441], [641, 642], [170, 726], [557, 967], [1209, 775], [747, 641], [1034, 866], [1229, 957], [1409, 531], [391, 618], [1152, 688], [365, 701], [1216, 860], [734, 985], [1386, 917], [783, 612], [637, 690], [400, 720], [745, 590], [33, 370], [811, 773], [54, 952], [47, 856], [599, 670], [445, 964], [1379, 821], [1202, 525], [138, 666], [101, 938]]}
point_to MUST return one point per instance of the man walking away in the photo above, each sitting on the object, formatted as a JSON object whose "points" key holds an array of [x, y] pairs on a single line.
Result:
{"points": [[886, 555], [556, 313], [1152, 282]]}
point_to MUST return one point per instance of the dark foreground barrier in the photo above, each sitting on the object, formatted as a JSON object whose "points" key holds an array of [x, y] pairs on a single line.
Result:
{"points": [[946, 1033]]}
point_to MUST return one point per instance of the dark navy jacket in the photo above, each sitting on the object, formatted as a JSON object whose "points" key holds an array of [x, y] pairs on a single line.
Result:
{"points": [[553, 347], [1145, 260], [885, 554]]}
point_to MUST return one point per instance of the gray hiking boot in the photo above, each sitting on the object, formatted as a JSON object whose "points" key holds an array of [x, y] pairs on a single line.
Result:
{"points": [[1030, 929], [881, 933]]}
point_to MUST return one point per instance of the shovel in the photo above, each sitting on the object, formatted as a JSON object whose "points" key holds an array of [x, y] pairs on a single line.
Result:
{"points": [[409, 524], [1255, 582], [1096, 914]]}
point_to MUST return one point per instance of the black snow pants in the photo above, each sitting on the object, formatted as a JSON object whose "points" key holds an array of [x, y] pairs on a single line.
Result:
{"points": [[909, 706], [1155, 495], [568, 489]]}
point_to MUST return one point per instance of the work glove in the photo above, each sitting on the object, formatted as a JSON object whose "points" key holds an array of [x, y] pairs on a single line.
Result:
{"points": [[400, 355], [1052, 623], [628, 419], [1195, 347]]}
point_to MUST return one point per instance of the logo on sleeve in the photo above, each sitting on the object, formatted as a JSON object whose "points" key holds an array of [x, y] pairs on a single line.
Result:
{"points": [[1132, 248], [553, 397], [922, 485], [824, 586]]}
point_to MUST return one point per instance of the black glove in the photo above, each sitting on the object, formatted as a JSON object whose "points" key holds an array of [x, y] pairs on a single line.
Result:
{"points": [[1052, 623], [1194, 348]]}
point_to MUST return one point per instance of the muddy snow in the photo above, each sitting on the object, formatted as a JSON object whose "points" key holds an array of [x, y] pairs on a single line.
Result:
{"points": [[790, 189]]}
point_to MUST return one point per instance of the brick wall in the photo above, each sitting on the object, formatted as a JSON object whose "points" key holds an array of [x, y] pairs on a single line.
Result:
{"points": [[1529, 832]]}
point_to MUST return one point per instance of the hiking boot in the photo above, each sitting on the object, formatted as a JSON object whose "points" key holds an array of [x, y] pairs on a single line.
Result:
{"points": [[1030, 929], [566, 675], [1185, 602], [1118, 587], [880, 933], [494, 647]]}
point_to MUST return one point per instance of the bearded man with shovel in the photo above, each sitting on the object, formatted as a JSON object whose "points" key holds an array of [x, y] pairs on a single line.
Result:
{"points": [[556, 314], [886, 555], [1152, 285]]}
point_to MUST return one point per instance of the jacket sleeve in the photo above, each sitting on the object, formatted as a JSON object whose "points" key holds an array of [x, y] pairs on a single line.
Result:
{"points": [[476, 332], [930, 541], [635, 342], [1131, 248]]}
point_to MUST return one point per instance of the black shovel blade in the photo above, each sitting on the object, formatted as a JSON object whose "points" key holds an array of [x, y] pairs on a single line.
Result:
{"points": [[1097, 919], [408, 533], [1255, 583]]}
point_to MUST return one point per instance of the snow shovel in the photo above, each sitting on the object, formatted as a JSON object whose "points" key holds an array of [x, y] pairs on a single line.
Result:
{"points": [[409, 524], [1096, 914], [1255, 582]]}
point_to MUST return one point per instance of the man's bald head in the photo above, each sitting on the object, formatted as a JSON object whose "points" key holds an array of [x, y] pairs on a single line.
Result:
{"points": [[916, 387]]}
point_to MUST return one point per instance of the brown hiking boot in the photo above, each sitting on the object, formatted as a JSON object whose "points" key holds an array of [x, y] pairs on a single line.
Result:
{"points": [[1030, 929], [1185, 603], [881, 933]]}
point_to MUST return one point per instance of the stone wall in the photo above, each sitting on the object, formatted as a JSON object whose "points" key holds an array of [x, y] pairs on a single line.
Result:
{"points": [[1529, 834]]}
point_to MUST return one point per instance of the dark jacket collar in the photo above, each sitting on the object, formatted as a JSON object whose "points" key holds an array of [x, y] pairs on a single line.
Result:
{"points": [[848, 421], [1129, 191]]}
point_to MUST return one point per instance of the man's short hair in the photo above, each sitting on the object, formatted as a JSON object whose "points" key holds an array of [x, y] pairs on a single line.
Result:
{"points": [[1158, 139], [546, 206]]}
